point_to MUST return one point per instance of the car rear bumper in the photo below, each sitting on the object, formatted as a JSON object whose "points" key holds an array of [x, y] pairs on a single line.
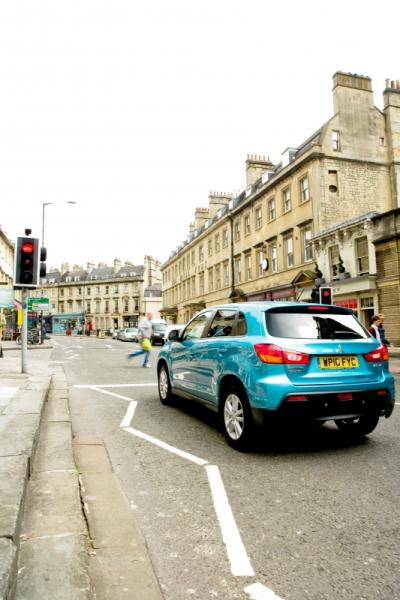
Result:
{"points": [[327, 406]]}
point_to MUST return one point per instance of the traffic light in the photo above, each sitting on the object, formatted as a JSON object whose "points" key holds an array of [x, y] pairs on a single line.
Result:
{"points": [[315, 295], [325, 295], [43, 256], [26, 272]]}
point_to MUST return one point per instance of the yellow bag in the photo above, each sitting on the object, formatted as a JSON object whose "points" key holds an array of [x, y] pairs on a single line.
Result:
{"points": [[146, 344]]}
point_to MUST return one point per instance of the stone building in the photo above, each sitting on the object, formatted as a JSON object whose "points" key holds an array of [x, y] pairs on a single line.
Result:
{"points": [[106, 297], [313, 206], [7, 313]]}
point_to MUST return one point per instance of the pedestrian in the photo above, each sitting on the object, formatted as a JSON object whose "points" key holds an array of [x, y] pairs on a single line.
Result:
{"points": [[384, 341], [374, 328], [145, 330]]}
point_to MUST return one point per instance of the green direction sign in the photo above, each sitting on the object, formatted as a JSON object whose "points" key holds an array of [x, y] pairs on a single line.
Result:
{"points": [[6, 298], [39, 304]]}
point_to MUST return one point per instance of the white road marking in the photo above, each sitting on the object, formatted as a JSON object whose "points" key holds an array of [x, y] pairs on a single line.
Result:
{"points": [[165, 446], [257, 591], [72, 356], [240, 562], [112, 394], [126, 421]]}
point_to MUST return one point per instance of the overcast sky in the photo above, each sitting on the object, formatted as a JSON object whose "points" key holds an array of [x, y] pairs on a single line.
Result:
{"points": [[137, 110]]}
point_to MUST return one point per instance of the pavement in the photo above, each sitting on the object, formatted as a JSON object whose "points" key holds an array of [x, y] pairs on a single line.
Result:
{"points": [[66, 528]]}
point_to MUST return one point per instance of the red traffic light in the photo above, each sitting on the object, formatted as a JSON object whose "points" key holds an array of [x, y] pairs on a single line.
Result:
{"points": [[27, 248]]}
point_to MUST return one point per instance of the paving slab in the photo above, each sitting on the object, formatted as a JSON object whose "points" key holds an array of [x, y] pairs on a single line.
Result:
{"points": [[53, 506], [8, 567], [110, 519], [28, 401], [18, 434], [92, 457], [56, 409], [123, 573], [48, 575], [54, 451], [13, 478]]}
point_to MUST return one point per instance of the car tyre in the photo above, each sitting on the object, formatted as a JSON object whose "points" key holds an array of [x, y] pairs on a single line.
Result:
{"points": [[237, 420], [164, 386], [358, 426]]}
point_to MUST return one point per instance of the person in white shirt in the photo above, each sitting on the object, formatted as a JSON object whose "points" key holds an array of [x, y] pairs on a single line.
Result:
{"points": [[145, 329]]}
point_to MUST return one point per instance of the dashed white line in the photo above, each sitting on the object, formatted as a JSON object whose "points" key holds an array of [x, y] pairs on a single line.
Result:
{"points": [[126, 421], [257, 591]]}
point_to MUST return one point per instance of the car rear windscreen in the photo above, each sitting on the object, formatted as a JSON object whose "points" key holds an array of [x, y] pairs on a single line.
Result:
{"points": [[314, 325]]}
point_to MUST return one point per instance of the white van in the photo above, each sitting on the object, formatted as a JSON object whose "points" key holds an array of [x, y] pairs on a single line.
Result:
{"points": [[158, 332]]}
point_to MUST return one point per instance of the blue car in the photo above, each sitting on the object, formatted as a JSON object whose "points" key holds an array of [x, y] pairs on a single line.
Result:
{"points": [[253, 362]]}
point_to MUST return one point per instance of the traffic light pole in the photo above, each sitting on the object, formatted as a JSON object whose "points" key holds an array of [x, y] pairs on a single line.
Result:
{"points": [[24, 332]]}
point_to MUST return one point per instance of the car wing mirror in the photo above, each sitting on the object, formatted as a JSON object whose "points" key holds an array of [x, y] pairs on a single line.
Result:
{"points": [[173, 335]]}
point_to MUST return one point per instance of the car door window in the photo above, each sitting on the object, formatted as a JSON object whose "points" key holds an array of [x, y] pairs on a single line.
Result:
{"points": [[194, 329], [222, 324], [241, 328]]}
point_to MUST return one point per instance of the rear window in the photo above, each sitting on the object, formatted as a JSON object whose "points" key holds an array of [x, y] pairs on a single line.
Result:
{"points": [[314, 326], [159, 327]]}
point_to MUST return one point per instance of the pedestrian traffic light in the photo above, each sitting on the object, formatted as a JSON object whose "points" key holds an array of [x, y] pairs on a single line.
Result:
{"points": [[26, 263], [325, 295]]}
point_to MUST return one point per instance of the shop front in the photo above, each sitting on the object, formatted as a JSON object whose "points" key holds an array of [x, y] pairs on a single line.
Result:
{"points": [[74, 322]]}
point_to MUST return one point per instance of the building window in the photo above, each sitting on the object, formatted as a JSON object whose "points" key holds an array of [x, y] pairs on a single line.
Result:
{"points": [[62, 292], [61, 307], [225, 268], [210, 250], [70, 290], [304, 189], [88, 291], [126, 304], [271, 209], [248, 266], [260, 258], [237, 266], [236, 229], [79, 291], [193, 287], [224, 238], [116, 306], [273, 252], [201, 284], [107, 306], [306, 244], [288, 245], [97, 289], [97, 306], [218, 277], [362, 257], [247, 224], [216, 243], [258, 217], [210, 280], [334, 261], [335, 140], [381, 141], [286, 200], [333, 181], [116, 289], [201, 253], [88, 306]]}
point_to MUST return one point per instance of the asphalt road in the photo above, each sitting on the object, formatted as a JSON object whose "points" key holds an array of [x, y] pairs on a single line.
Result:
{"points": [[306, 516]]}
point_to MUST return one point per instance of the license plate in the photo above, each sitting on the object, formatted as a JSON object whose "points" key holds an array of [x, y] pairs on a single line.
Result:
{"points": [[338, 362]]}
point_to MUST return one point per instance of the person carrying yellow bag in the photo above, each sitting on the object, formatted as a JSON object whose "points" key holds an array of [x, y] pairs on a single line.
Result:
{"points": [[145, 329]]}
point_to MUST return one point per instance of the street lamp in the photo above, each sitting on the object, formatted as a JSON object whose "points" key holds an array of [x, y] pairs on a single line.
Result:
{"points": [[47, 204]]}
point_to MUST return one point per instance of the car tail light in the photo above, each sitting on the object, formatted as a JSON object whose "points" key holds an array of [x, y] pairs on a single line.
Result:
{"points": [[297, 398], [345, 396], [381, 353], [271, 354]]}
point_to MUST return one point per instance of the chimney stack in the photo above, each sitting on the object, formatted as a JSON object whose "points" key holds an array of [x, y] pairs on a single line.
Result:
{"points": [[256, 165]]}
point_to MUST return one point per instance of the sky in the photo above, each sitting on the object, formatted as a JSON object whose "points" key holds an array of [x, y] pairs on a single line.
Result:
{"points": [[135, 111]]}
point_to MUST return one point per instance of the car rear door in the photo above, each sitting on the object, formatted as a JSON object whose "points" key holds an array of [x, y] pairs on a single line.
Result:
{"points": [[332, 338]]}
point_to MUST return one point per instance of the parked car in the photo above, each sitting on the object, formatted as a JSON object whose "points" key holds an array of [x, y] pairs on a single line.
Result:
{"points": [[114, 333], [253, 362], [129, 334], [159, 327]]}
